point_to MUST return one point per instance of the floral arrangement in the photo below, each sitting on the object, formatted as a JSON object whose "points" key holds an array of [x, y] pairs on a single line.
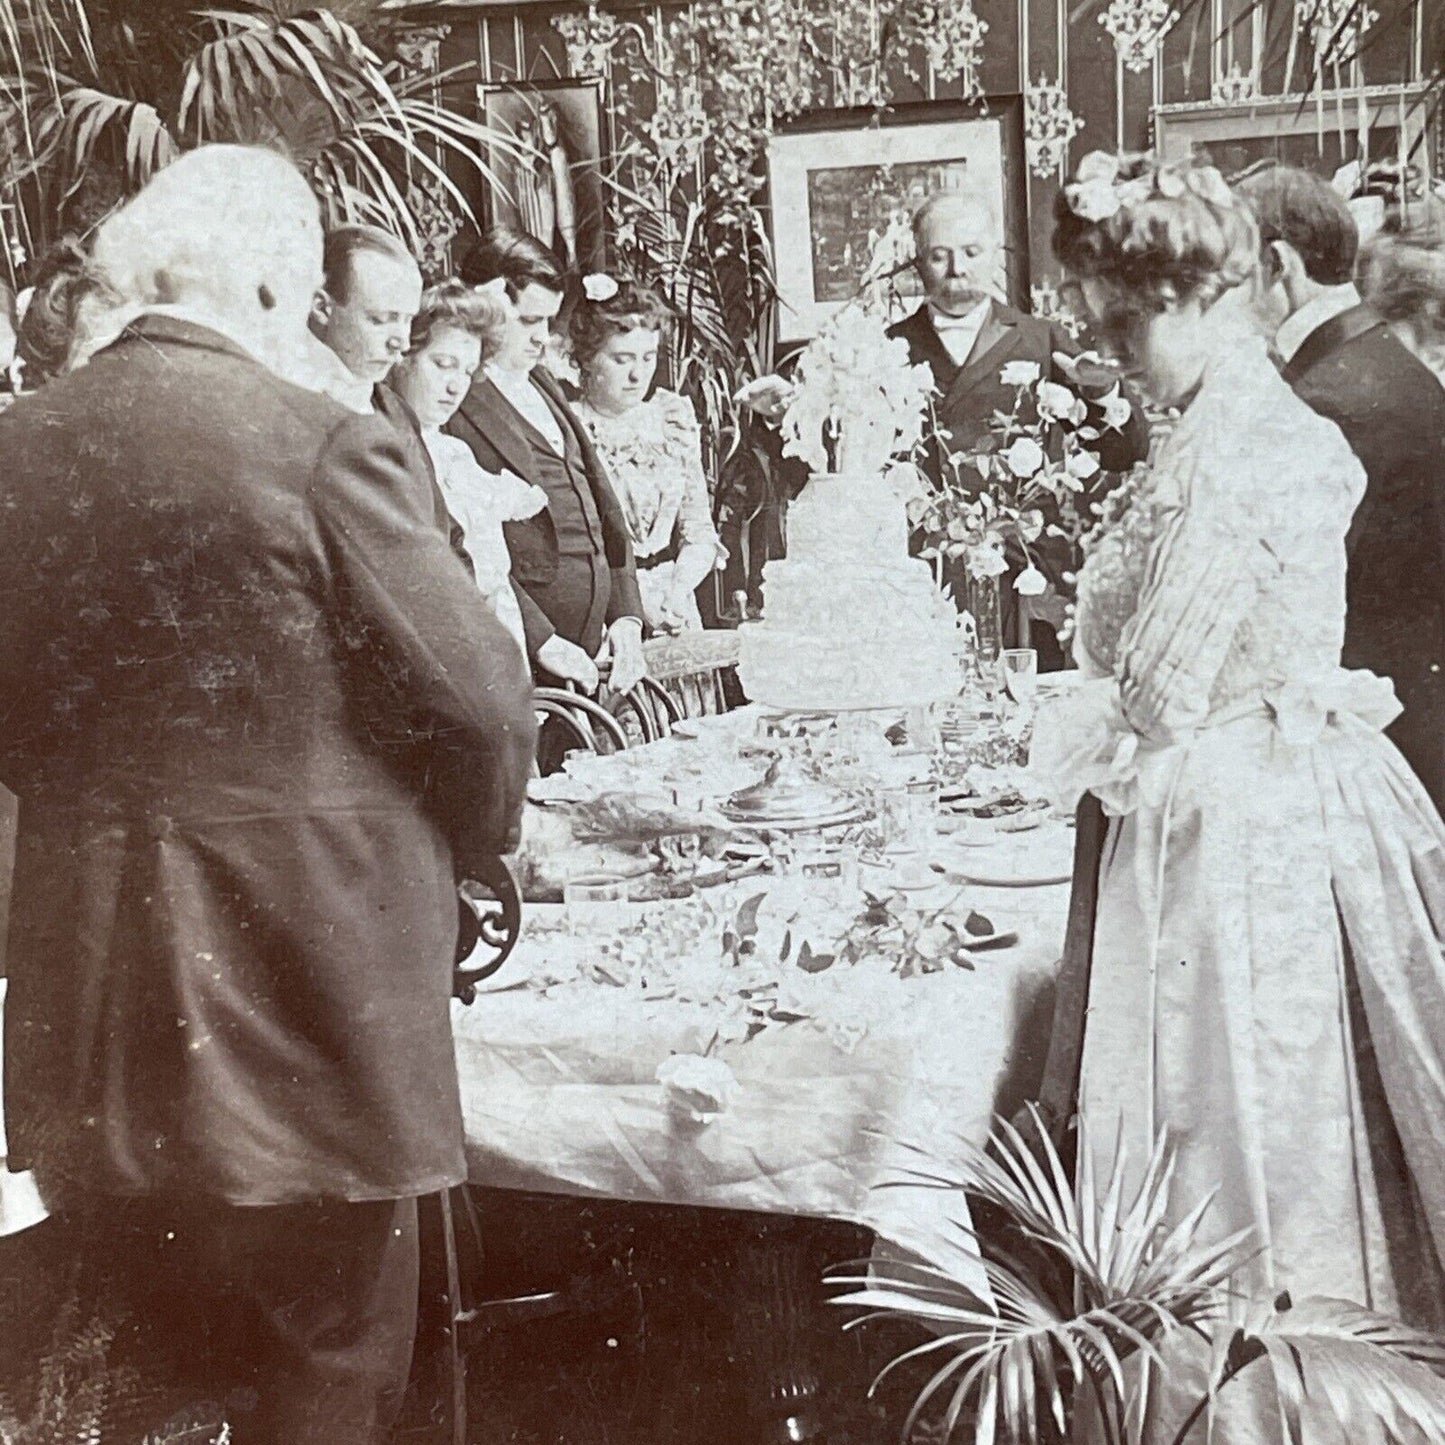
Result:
{"points": [[1032, 477], [857, 402], [1104, 185]]}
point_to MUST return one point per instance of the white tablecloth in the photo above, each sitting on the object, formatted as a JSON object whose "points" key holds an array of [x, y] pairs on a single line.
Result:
{"points": [[562, 1097]]}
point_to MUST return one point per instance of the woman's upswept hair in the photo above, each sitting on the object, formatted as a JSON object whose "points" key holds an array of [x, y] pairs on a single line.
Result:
{"points": [[1165, 231], [595, 323], [453, 303], [1403, 278]]}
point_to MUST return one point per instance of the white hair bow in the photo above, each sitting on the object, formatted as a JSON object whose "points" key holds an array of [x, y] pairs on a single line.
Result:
{"points": [[599, 286]]}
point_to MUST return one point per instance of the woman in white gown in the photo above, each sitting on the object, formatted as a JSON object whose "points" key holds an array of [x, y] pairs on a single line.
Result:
{"points": [[450, 338], [1267, 982]]}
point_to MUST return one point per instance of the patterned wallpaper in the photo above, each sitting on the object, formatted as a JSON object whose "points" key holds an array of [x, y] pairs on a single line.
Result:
{"points": [[1090, 81]]}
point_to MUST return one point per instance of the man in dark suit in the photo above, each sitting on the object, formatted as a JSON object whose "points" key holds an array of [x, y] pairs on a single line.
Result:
{"points": [[1341, 358], [967, 338], [362, 315], [259, 723], [572, 563]]}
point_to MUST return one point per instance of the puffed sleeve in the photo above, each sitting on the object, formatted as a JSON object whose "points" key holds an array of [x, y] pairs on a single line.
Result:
{"points": [[1205, 578], [694, 518]]}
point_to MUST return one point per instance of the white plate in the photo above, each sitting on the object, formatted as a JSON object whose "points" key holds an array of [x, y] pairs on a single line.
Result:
{"points": [[1040, 858]]}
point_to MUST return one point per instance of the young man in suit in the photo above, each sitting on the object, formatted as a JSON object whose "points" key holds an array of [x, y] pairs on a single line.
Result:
{"points": [[572, 563], [1341, 357], [361, 317], [966, 337], [259, 724]]}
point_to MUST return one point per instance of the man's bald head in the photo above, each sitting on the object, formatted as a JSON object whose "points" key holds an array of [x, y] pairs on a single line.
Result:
{"points": [[957, 247], [233, 231]]}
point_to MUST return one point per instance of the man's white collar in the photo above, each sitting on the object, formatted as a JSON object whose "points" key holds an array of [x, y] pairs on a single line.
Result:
{"points": [[1295, 330]]}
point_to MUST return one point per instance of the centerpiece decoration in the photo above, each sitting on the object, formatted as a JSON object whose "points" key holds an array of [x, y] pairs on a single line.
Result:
{"points": [[850, 621], [1032, 477]]}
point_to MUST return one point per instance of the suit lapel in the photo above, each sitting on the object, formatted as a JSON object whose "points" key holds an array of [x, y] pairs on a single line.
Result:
{"points": [[924, 345], [991, 348], [1328, 338], [490, 413]]}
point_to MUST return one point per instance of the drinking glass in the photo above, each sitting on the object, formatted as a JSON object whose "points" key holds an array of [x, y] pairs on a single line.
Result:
{"points": [[595, 899], [1019, 669]]}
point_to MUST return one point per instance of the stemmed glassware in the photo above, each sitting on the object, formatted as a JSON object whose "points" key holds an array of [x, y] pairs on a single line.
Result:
{"points": [[1019, 672]]}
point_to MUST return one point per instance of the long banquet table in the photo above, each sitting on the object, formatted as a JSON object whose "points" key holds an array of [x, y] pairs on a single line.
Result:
{"points": [[874, 1079]]}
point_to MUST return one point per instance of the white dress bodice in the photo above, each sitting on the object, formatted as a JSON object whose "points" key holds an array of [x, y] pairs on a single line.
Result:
{"points": [[1223, 585]]}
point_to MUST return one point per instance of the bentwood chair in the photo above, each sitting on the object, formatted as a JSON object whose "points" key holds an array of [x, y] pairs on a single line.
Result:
{"points": [[697, 669], [649, 709], [582, 722]]}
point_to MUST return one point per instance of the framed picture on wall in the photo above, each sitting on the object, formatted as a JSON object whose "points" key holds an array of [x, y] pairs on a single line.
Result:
{"points": [[1321, 132], [842, 185], [549, 171]]}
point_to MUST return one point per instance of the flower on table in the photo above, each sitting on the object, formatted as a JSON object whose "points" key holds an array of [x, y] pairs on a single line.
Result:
{"points": [[1025, 457], [1020, 373], [1031, 582], [696, 1087]]}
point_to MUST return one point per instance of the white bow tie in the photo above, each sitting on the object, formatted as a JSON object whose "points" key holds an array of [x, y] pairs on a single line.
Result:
{"points": [[955, 323]]}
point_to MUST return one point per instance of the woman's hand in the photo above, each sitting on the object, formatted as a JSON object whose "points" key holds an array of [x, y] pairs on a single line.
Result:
{"points": [[624, 646], [569, 662]]}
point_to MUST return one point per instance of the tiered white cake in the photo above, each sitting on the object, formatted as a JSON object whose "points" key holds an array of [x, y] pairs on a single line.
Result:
{"points": [[850, 620]]}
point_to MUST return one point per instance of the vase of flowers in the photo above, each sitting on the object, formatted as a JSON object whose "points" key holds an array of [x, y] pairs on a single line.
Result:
{"points": [[1030, 479]]}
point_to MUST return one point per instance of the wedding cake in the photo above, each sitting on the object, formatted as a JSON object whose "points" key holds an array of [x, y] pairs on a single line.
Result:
{"points": [[850, 620]]}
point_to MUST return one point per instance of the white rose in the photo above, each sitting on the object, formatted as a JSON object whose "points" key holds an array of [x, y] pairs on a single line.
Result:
{"points": [[1117, 410], [986, 561], [1031, 582], [1082, 465], [1024, 457], [1059, 403], [696, 1089], [599, 287], [1020, 373]]}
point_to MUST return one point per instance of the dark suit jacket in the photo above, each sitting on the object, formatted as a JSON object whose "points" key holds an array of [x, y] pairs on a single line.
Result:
{"points": [[258, 721], [1391, 409], [970, 394], [390, 405], [489, 424]]}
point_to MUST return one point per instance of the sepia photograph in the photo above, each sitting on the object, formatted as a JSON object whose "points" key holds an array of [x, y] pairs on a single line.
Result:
{"points": [[722, 723]]}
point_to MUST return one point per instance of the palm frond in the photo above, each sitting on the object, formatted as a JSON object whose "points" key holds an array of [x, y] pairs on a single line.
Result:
{"points": [[82, 119], [1021, 1357], [1379, 1380]]}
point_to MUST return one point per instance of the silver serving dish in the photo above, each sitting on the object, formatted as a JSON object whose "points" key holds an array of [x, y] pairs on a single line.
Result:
{"points": [[786, 798]]}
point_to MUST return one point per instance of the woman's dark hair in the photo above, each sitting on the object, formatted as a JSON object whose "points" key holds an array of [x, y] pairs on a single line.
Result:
{"points": [[1161, 231], [595, 323], [1305, 211], [519, 260], [454, 303], [48, 330]]}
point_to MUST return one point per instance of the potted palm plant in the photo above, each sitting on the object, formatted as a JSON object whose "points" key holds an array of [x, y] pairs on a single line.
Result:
{"points": [[1093, 1290], [101, 93]]}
